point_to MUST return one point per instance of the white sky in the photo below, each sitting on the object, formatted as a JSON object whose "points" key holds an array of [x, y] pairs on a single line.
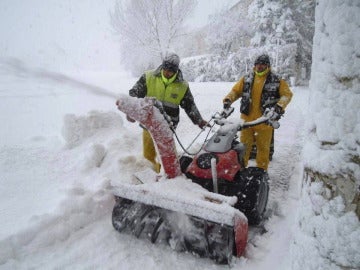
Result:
{"points": [[205, 8], [71, 35]]}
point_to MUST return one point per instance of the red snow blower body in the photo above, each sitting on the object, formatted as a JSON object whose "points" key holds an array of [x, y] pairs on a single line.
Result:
{"points": [[211, 220]]}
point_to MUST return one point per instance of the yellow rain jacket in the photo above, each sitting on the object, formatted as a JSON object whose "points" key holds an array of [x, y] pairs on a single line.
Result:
{"points": [[256, 94]]}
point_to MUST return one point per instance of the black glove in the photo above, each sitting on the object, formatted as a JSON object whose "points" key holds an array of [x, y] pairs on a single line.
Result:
{"points": [[227, 103], [203, 124], [279, 111], [130, 119]]}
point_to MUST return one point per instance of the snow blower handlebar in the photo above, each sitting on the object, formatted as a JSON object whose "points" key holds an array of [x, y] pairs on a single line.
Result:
{"points": [[225, 113], [269, 117]]}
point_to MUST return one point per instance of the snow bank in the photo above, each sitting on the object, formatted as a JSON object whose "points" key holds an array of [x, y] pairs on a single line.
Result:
{"points": [[334, 119], [78, 128], [81, 208], [100, 144], [330, 236], [328, 233], [95, 156]]}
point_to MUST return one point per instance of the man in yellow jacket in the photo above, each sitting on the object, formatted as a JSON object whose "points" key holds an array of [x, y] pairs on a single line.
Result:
{"points": [[259, 90], [167, 85]]}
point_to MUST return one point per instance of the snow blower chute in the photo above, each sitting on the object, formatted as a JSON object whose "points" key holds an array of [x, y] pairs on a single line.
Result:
{"points": [[182, 210]]}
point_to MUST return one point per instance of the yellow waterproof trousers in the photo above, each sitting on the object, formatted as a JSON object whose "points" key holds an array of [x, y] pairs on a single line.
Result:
{"points": [[149, 150], [262, 138]]}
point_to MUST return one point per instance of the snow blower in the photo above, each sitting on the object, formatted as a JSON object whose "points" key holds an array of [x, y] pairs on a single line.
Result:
{"points": [[201, 205]]}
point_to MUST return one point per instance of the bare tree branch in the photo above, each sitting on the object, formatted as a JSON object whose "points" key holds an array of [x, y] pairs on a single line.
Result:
{"points": [[149, 28]]}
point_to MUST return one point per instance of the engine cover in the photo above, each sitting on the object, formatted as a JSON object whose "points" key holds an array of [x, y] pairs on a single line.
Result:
{"points": [[227, 165]]}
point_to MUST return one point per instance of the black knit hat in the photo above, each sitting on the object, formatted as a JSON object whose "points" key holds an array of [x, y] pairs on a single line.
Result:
{"points": [[262, 59], [171, 62]]}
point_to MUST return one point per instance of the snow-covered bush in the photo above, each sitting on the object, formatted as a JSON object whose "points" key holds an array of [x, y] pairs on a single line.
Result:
{"points": [[212, 68], [232, 67]]}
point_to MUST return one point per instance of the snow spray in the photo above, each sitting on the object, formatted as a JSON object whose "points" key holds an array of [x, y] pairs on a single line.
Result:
{"points": [[19, 69]]}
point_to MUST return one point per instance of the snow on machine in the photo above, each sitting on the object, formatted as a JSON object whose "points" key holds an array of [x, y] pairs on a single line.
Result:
{"points": [[201, 205]]}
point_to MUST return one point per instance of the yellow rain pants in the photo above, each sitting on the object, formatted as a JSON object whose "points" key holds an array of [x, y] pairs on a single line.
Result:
{"points": [[149, 150], [262, 138]]}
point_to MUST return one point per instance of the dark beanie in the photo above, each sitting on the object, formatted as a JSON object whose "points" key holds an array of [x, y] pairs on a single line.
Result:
{"points": [[171, 62], [262, 59]]}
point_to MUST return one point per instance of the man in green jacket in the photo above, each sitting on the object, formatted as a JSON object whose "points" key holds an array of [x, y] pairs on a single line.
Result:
{"points": [[167, 85]]}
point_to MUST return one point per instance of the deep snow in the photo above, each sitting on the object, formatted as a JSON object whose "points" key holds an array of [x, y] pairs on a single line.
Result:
{"points": [[64, 147]]}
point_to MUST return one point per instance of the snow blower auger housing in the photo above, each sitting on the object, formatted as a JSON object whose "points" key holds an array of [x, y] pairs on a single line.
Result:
{"points": [[172, 209]]}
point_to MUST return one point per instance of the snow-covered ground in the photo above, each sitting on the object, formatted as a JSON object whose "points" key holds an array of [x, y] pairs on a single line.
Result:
{"points": [[63, 144]]}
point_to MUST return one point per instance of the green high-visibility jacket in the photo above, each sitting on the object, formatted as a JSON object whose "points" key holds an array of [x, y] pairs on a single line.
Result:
{"points": [[176, 94], [170, 95]]}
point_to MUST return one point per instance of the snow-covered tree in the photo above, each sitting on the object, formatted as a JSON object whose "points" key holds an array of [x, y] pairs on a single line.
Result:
{"points": [[283, 29], [269, 19], [332, 140], [227, 30], [278, 32], [304, 17], [334, 124], [148, 29]]}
